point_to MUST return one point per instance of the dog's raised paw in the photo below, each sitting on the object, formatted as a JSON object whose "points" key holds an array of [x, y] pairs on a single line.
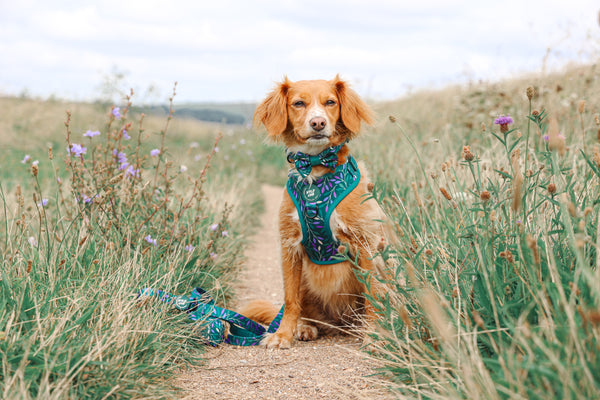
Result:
{"points": [[276, 341]]}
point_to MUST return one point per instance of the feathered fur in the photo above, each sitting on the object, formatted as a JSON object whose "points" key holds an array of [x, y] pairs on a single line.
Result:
{"points": [[310, 116]]}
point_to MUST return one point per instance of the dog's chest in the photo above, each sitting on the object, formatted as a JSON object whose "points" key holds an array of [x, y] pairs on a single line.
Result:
{"points": [[316, 201]]}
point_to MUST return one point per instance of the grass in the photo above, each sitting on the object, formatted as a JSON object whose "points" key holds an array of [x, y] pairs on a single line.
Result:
{"points": [[82, 232], [493, 289]]}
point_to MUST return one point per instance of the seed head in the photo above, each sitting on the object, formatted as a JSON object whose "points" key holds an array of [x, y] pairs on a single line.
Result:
{"points": [[556, 141], [404, 316], [392, 118], [533, 246], [530, 92], [535, 113], [34, 170], [552, 188], [467, 155], [445, 193], [478, 320], [485, 195], [581, 107]]}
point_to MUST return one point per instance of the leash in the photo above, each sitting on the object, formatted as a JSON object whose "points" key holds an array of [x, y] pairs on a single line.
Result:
{"points": [[200, 306]]}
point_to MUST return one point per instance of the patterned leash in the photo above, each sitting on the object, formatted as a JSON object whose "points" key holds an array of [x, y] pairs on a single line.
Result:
{"points": [[201, 307]]}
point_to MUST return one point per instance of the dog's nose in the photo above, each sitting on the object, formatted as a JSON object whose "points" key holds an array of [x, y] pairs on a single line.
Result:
{"points": [[318, 123]]}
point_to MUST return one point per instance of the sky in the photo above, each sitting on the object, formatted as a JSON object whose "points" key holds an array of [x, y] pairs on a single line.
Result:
{"points": [[230, 51]]}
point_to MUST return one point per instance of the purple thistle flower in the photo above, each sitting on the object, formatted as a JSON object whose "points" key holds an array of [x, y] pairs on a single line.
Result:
{"points": [[91, 134], [503, 120], [116, 112], [154, 152], [77, 150], [150, 240]]}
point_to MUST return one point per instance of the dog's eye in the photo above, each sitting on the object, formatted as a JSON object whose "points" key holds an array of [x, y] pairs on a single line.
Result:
{"points": [[299, 103], [330, 103]]}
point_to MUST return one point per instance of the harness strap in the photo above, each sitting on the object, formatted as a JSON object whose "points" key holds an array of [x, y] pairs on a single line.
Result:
{"points": [[202, 308]]}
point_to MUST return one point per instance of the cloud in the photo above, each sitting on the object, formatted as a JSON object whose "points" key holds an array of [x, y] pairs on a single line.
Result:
{"points": [[234, 50]]}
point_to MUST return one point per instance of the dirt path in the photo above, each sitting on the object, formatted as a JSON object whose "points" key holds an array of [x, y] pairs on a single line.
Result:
{"points": [[328, 368]]}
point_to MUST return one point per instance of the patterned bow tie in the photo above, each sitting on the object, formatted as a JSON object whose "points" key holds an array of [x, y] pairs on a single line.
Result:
{"points": [[305, 162]]}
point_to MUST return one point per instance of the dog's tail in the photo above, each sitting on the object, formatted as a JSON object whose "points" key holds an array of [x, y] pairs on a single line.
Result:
{"points": [[262, 311]]}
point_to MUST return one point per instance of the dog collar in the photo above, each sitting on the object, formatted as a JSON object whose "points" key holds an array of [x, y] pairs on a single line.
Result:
{"points": [[315, 201], [304, 162]]}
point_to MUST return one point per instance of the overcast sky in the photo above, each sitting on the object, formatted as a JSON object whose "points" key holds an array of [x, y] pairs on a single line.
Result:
{"points": [[224, 50]]}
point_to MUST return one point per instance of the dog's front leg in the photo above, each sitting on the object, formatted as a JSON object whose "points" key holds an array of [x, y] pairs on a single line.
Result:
{"points": [[292, 275]]}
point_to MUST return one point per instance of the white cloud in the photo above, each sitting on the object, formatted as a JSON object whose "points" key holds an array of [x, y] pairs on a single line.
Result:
{"points": [[234, 50]]}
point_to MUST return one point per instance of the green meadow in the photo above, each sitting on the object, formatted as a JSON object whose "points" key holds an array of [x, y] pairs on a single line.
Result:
{"points": [[492, 286]]}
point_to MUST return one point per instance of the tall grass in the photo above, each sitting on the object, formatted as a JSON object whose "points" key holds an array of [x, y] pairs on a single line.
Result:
{"points": [[108, 210], [494, 289]]}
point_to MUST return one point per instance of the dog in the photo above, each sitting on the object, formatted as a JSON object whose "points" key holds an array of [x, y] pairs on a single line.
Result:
{"points": [[312, 118]]}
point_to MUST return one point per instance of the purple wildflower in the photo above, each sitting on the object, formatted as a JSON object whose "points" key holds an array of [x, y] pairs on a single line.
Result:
{"points": [[77, 150], [213, 256], [503, 121], [125, 135], [154, 152], [546, 138], [43, 203], [214, 227], [149, 239], [91, 134], [132, 172], [189, 248], [224, 233], [26, 159], [116, 112]]}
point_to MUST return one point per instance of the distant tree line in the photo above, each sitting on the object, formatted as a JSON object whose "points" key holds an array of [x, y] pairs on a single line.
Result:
{"points": [[202, 114]]}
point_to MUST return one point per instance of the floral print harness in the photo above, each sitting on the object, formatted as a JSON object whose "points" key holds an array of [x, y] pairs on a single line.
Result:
{"points": [[315, 203]]}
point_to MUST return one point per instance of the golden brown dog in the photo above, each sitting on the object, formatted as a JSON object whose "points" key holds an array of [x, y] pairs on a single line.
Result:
{"points": [[311, 117]]}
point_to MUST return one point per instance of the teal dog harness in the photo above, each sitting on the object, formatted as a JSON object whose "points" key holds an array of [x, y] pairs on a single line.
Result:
{"points": [[316, 201]]}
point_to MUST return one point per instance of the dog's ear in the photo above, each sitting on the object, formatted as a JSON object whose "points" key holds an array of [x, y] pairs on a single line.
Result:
{"points": [[272, 112], [352, 109]]}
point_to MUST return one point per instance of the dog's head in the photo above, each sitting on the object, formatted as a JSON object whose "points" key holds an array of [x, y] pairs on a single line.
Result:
{"points": [[310, 116]]}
